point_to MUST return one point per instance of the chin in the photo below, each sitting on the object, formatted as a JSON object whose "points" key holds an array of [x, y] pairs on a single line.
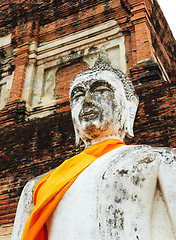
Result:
{"points": [[91, 124], [94, 130]]}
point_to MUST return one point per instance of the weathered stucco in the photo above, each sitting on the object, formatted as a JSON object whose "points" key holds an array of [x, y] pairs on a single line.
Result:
{"points": [[127, 198], [6, 69], [32, 144], [47, 58], [127, 193]]}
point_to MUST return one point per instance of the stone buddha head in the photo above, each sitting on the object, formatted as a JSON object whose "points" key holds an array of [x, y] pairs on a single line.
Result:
{"points": [[103, 103]]}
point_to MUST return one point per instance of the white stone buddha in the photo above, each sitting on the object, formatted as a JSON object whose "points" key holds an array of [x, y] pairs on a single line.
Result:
{"points": [[128, 193]]}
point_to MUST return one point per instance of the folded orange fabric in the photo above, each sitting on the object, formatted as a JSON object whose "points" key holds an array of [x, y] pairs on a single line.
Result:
{"points": [[52, 186]]}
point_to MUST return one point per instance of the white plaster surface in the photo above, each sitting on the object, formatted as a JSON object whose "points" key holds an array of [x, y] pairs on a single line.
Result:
{"points": [[4, 41], [78, 39], [5, 85], [117, 198], [126, 194], [24, 209], [45, 60], [6, 78], [116, 51], [99, 106], [5, 232]]}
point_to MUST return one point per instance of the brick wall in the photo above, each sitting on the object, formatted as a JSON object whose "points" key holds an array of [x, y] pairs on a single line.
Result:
{"points": [[65, 75], [30, 148], [37, 146], [155, 123], [163, 40]]}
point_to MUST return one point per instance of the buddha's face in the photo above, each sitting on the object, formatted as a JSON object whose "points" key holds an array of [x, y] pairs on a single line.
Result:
{"points": [[98, 105]]}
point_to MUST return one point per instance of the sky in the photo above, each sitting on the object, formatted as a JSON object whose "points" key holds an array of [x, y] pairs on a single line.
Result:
{"points": [[169, 9]]}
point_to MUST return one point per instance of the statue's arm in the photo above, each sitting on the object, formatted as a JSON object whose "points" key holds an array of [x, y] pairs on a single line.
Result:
{"points": [[24, 209], [167, 179]]}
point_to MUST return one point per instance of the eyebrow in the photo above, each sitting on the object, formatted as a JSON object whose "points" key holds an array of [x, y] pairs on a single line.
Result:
{"points": [[92, 87], [75, 89], [101, 83]]}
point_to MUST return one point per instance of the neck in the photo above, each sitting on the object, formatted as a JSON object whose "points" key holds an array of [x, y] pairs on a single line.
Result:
{"points": [[91, 142]]}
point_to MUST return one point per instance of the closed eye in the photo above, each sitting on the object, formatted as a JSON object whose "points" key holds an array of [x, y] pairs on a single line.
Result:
{"points": [[77, 93], [102, 88]]}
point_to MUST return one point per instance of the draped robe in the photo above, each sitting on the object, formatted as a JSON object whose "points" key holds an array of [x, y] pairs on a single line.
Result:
{"points": [[128, 193], [50, 188]]}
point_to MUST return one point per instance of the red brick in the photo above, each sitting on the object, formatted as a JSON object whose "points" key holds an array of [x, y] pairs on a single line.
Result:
{"points": [[31, 148]]}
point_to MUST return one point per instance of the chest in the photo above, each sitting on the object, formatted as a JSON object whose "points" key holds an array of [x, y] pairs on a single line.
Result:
{"points": [[111, 195]]}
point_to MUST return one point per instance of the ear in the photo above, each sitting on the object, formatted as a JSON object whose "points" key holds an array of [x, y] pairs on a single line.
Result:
{"points": [[132, 109], [77, 138]]}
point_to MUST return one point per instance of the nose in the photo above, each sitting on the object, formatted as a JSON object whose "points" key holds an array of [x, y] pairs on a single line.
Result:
{"points": [[87, 99]]}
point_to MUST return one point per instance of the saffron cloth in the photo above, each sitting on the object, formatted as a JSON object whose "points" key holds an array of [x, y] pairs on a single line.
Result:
{"points": [[51, 187]]}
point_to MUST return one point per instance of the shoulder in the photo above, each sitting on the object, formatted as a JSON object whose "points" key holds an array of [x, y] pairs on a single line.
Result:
{"points": [[26, 198], [24, 209], [161, 150], [165, 154], [29, 187], [146, 153]]}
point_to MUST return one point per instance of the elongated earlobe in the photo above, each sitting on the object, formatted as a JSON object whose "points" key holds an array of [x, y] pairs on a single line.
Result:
{"points": [[133, 104], [77, 138]]}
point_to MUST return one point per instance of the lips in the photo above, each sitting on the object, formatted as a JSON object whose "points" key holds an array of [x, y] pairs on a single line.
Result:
{"points": [[89, 115]]}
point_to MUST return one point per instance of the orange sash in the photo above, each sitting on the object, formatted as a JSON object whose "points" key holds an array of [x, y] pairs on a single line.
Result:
{"points": [[52, 186]]}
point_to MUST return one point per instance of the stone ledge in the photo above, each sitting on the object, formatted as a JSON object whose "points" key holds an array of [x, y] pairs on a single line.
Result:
{"points": [[145, 71], [5, 231]]}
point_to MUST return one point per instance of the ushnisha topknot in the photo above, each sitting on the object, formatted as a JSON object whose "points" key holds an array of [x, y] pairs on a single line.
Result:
{"points": [[103, 63]]}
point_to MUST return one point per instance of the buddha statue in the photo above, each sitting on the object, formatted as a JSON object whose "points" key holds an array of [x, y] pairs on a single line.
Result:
{"points": [[123, 192]]}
